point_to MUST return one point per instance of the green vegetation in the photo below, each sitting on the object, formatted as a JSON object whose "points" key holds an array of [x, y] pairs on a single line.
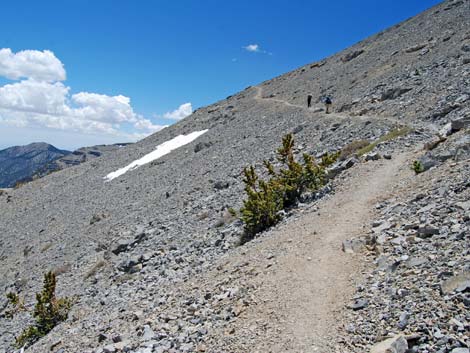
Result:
{"points": [[391, 135], [352, 148], [232, 211], [16, 303], [329, 158], [417, 167], [267, 198], [48, 312]]}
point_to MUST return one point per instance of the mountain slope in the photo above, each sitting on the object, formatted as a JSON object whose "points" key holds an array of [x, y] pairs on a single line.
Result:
{"points": [[21, 162], [81, 155], [135, 250]]}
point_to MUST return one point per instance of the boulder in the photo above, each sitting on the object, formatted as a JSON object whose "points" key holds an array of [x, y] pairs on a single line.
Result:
{"points": [[121, 246], [393, 93], [460, 124], [351, 55], [426, 231], [397, 344], [352, 246], [415, 48], [219, 185], [374, 156], [446, 130]]}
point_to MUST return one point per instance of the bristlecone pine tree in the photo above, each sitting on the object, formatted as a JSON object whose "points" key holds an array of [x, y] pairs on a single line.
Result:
{"points": [[48, 312], [265, 199]]}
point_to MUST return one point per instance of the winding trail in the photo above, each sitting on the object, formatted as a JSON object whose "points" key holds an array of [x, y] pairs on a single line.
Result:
{"points": [[301, 296], [259, 97]]}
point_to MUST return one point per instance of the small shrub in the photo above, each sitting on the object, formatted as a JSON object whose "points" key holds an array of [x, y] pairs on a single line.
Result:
{"points": [[391, 135], [232, 211], [15, 303], [48, 312], [261, 210], [265, 199], [352, 148], [418, 167], [329, 158]]}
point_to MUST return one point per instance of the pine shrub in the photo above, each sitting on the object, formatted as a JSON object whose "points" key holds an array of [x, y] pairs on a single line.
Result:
{"points": [[48, 312], [261, 209], [267, 198], [418, 167]]}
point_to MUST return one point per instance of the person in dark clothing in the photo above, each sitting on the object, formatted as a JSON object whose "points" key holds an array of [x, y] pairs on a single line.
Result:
{"points": [[328, 103], [309, 101]]}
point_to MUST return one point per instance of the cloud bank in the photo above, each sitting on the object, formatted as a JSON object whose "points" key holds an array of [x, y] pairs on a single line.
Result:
{"points": [[38, 98], [182, 112], [33, 64]]}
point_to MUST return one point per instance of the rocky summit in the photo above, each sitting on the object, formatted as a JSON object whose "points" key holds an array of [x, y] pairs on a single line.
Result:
{"points": [[145, 240]]}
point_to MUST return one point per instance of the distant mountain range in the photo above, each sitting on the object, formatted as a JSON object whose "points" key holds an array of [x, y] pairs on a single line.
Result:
{"points": [[21, 162], [25, 163]]}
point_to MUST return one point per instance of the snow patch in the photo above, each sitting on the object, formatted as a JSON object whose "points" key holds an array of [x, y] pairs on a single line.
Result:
{"points": [[160, 151]]}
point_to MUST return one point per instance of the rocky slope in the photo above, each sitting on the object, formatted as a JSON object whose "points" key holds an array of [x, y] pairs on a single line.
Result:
{"points": [[152, 255], [83, 154], [21, 162]]}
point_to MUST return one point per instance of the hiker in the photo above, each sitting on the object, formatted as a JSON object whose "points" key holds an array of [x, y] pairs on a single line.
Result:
{"points": [[309, 101], [327, 104]]}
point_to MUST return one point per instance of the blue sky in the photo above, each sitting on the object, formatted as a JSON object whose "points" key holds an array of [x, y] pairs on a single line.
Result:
{"points": [[161, 54]]}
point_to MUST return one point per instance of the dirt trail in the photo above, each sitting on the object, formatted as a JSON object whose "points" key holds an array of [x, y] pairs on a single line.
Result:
{"points": [[301, 297], [314, 109]]}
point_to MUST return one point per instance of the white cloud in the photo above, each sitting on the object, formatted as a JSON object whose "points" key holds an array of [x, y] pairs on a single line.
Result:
{"points": [[182, 112], [44, 104], [34, 64], [254, 48], [32, 96], [39, 100], [145, 124]]}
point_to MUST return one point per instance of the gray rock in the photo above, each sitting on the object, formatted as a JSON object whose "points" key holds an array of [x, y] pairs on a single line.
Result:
{"points": [[148, 333], [359, 304], [393, 93], [397, 344], [352, 55], [460, 350], [460, 124], [464, 205], [353, 245], [374, 156], [415, 48], [121, 246], [458, 283], [403, 320], [219, 185], [427, 231]]}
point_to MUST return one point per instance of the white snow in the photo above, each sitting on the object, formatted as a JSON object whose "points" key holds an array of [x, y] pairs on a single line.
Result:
{"points": [[160, 150]]}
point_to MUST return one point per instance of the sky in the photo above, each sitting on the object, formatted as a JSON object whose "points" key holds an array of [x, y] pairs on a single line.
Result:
{"points": [[80, 73]]}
